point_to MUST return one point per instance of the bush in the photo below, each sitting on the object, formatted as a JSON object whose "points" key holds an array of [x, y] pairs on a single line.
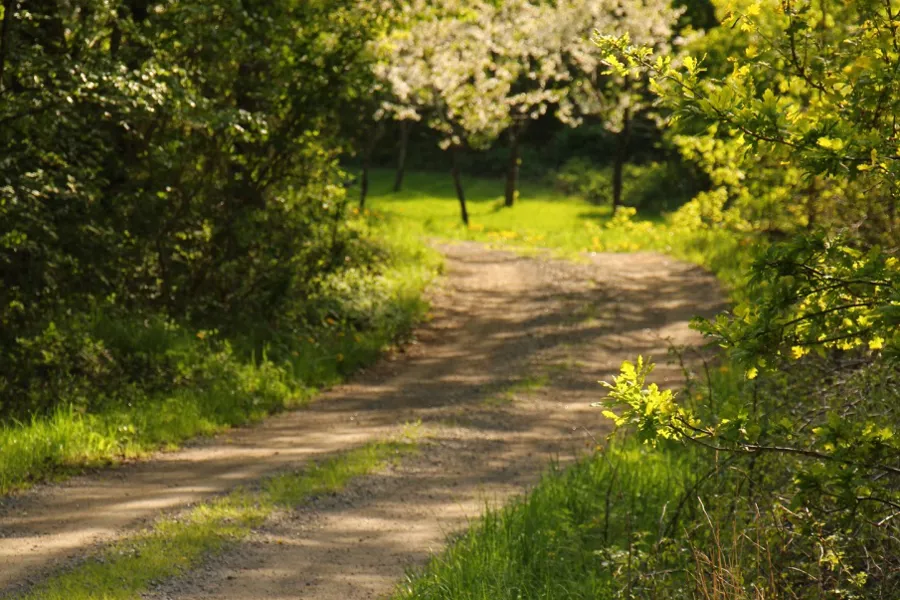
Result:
{"points": [[113, 384], [180, 175]]}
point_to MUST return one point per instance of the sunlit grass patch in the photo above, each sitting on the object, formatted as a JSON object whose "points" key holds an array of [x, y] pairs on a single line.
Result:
{"points": [[544, 218], [175, 545]]}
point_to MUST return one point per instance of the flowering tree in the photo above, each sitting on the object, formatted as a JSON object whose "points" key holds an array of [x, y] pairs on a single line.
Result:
{"points": [[528, 46], [441, 70], [472, 70], [597, 87]]}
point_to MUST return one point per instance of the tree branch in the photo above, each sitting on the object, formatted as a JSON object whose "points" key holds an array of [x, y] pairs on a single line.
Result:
{"points": [[746, 448]]}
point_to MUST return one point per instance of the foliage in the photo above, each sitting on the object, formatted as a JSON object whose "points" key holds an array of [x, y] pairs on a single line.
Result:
{"points": [[582, 533], [190, 383], [814, 294], [161, 162], [651, 188], [472, 70], [597, 87], [652, 413], [800, 131], [796, 136], [817, 484], [456, 66]]}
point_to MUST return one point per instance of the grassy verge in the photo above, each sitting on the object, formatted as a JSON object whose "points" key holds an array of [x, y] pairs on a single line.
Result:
{"points": [[207, 386], [172, 546], [582, 533]]}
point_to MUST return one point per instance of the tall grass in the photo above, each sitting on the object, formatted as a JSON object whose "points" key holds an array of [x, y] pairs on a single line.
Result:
{"points": [[583, 532]]}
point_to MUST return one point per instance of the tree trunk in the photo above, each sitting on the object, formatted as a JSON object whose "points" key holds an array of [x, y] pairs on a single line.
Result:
{"points": [[512, 170], [364, 182], [401, 158], [622, 143], [457, 182], [367, 164]]}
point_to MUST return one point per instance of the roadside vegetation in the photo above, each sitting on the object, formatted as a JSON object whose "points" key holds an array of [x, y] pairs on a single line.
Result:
{"points": [[176, 252], [580, 534], [195, 382]]}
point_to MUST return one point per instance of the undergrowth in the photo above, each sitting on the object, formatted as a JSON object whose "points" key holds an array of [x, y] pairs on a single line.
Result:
{"points": [[157, 384], [580, 533]]}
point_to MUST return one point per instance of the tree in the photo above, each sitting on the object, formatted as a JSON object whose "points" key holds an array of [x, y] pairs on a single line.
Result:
{"points": [[441, 71], [798, 128], [527, 47], [402, 151], [597, 88], [830, 120], [398, 99]]}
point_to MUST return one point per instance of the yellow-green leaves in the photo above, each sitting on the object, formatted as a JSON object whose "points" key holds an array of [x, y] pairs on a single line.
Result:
{"points": [[653, 413], [813, 294], [691, 64], [615, 66], [831, 143]]}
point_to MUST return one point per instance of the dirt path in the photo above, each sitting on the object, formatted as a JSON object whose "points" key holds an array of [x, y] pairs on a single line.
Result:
{"points": [[501, 378]]}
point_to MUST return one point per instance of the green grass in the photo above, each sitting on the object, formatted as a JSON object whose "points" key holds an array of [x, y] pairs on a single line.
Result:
{"points": [[581, 533], [220, 387], [174, 545], [544, 219]]}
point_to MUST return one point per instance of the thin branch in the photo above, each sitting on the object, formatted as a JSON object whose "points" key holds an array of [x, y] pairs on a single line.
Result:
{"points": [[756, 448], [827, 311], [884, 501]]}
